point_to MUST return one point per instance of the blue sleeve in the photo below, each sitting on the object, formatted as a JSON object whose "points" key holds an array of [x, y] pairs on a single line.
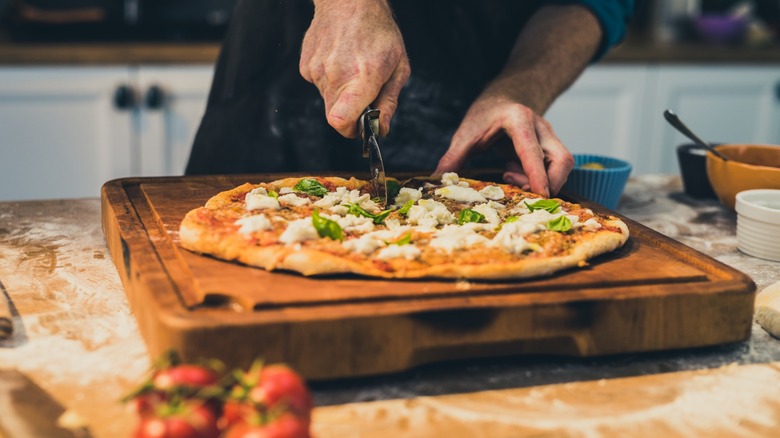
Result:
{"points": [[613, 16]]}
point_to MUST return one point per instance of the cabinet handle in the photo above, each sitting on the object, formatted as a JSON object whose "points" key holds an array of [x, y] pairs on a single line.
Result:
{"points": [[124, 97], [155, 97]]}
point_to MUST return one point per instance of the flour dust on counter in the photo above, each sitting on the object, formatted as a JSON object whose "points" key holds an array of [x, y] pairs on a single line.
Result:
{"points": [[67, 322]]}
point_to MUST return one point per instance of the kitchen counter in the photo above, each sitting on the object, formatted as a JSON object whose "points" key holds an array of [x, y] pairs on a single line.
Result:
{"points": [[12, 53], [76, 338]]}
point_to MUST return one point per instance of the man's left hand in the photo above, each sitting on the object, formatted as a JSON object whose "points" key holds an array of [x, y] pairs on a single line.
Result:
{"points": [[544, 162]]}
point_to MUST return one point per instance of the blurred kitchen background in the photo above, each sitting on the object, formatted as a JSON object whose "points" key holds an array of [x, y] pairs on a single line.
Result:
{"points": [[94, 90]]}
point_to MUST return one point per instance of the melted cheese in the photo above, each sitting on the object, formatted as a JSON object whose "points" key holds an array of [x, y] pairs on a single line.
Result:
{"points": [[490, 213], [409, 252], [342, 196], [286, 190], [428, 211], [449, 179], [492, 192], [299, 230], [250, 224], [293, 200], [460, 194], [258, 199], [453, 237], [406, 194]]}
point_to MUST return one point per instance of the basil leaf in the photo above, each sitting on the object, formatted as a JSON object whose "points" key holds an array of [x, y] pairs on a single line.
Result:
{"points": [[357, 210], [405, 240], [468, 215], [393, 187], [561, 223], [511, 219], [310, 187], [273, 194], [406, 207], [380, 218], [550, 205], [326, 227]]}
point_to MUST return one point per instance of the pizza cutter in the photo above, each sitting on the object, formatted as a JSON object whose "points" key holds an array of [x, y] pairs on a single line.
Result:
{"points": [[369, 131]]}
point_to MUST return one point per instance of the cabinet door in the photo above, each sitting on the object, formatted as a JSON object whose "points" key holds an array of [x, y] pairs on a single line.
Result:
{"points": [[61, 134], [721, 104], [602, 113], [174, 99]]}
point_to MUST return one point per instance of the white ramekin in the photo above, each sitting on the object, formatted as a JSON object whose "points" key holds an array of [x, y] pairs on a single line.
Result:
{"points": [[758, 223]]}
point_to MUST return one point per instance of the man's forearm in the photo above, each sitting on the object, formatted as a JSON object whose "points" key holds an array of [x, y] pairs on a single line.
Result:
{"points": [[553, 49]]}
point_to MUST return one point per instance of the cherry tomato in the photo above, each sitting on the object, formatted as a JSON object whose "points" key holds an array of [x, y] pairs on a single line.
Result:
{"points": [[194, 376], [280, 386], [188, 419]]}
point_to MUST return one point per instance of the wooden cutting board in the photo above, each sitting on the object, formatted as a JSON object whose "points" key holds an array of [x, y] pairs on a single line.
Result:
{"points": [[652, 294]]}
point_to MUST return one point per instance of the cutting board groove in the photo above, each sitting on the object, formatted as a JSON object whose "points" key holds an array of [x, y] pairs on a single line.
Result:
{"points": [[652, 294]]}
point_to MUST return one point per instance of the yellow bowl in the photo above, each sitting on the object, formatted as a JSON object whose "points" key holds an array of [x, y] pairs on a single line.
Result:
{"points": [[750, 166]]}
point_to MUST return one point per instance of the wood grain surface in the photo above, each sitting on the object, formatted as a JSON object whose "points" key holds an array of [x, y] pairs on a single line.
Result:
{"points": [[732, 401], [653, 294]]}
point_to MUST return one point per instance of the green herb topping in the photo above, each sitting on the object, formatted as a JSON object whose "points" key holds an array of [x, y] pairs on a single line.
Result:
{"points": [[404, 240], [405, 209], [273, 194], [550, 205], [561, 223], [326, 227], [469, 215], [310, 187], [357, 210], [511, 219], [393, 187]]}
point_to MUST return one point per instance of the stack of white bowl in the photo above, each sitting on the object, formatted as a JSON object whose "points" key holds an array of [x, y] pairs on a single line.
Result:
{"points": [[758, 223]]}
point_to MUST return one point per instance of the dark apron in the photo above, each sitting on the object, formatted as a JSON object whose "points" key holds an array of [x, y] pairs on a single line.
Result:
{"points": [[262, 116]]}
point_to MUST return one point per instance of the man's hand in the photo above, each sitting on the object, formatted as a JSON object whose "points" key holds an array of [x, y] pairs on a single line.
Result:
{"points": [[545, 161], [543, 63], [354, 54]]}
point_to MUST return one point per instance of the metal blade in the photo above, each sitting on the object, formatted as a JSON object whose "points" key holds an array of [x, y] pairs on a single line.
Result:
{"points": [[369, 127]]}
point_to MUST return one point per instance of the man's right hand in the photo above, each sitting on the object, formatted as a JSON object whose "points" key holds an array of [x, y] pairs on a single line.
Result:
{"points": [[354, 54]]}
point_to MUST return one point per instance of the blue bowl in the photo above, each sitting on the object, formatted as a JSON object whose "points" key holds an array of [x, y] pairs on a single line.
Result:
{"points": [[602, 186]]}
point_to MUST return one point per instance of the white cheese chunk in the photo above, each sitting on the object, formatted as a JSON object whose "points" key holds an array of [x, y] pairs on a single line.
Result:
{"points": [[427, 209], [286, 190], [590, 224], [460, 194], [449, 179], [463, 183], [490, 213], [510, 238], [365, 244], [492, 192], [293, 200], [258, 199], [409, 252], [453, 237], [299, 230], [341, 210], [342, 196], [406, 194], [574, 219], [350, 222], [496, 205], [250, 224]]}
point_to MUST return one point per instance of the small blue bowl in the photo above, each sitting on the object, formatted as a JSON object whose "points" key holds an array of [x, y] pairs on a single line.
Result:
{"points": [[602, 186]]}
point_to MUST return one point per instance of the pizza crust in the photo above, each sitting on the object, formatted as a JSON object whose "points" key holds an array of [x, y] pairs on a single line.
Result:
{"points": [[232, 246]]}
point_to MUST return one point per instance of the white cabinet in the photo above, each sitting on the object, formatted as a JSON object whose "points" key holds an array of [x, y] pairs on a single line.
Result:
{"points": [[167, 128], [64, 131], [618, 110], [721, 104], [601, 113], [60, 133]]}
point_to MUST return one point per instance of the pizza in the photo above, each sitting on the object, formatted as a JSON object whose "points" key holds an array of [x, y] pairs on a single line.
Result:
{"points": [[449, 228]]}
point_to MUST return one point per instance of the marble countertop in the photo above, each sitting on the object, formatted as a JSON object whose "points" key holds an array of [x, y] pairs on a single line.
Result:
{"points": [[77, 339]]}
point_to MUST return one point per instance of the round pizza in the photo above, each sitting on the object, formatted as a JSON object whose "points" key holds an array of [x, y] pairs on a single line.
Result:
{"points": [[449, 228]]}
